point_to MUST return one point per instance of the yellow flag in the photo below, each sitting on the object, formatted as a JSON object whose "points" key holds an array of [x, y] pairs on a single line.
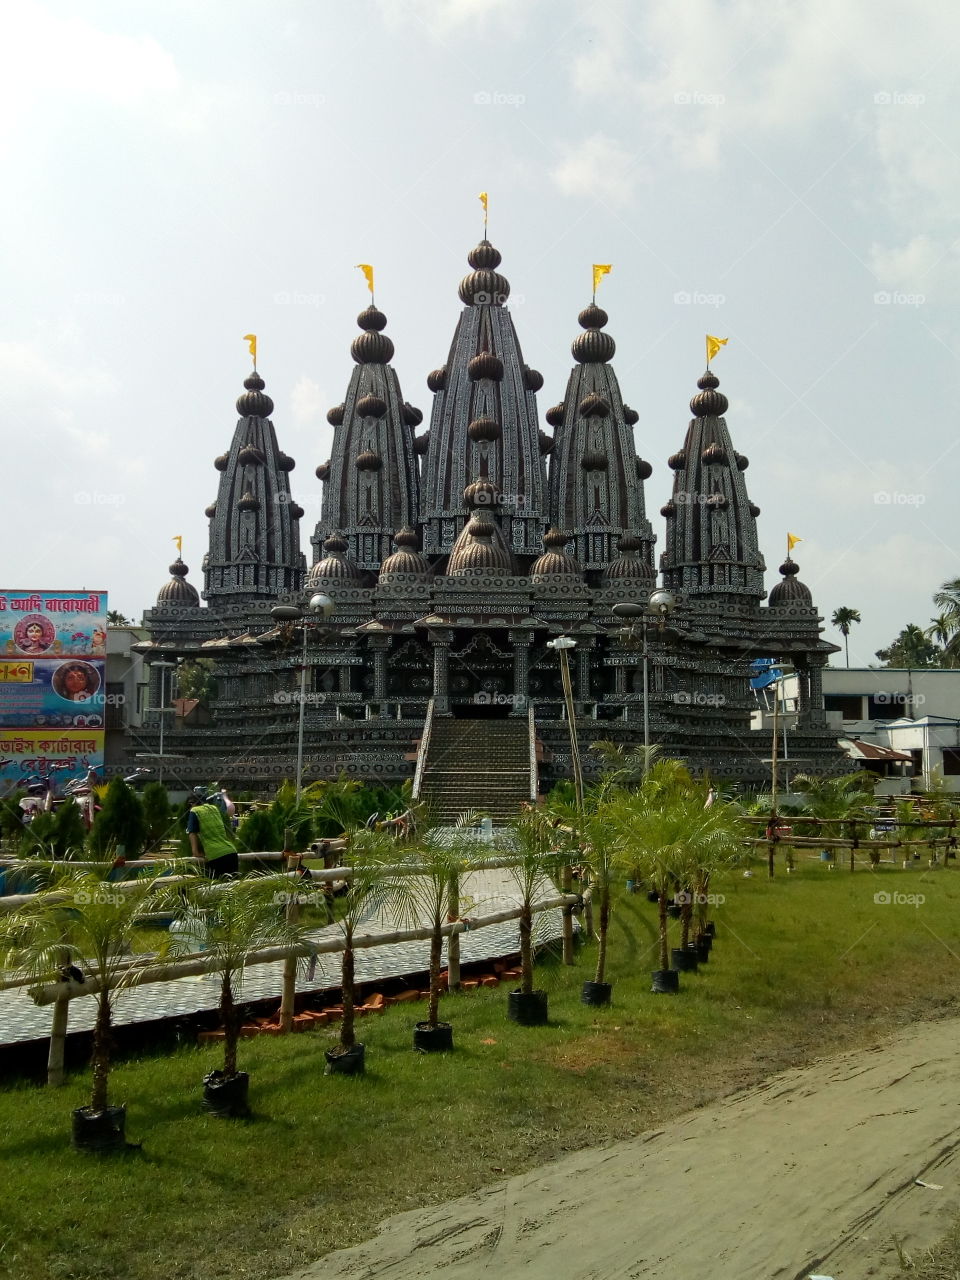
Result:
{"points": [[792, 541], [713, 346], [367, 270], [252, 339], [600, 269], [179, 541], [483, 201]]}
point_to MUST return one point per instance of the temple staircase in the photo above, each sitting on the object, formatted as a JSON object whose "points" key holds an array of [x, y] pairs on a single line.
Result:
{"points": [[483, 765]]}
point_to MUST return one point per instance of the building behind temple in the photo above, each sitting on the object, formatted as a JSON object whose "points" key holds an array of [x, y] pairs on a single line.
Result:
{"points": [[454, 553]]}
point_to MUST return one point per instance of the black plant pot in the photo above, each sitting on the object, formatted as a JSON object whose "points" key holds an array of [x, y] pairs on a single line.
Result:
{"points": [[674, 911], [345, 1062], [666, 982], [683, 959], [226, 1095], [653, 896], [701, 949], [528, 1008], [705, 941], [596, 993], [438, 1039], [99, 1130], [710, 929]]}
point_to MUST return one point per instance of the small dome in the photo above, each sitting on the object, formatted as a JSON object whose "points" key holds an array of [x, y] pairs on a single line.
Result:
{"points": [[630, 416], [484, 256], [482, 288], [220, 462], [250, 456], [178, 591], [285, 462], [532, 379], [372, 348], [714, 455], [412, 416], [628, 565], [554, 416], [594, 406], [210, 511], [481, 494], [323, 471], [555, 559], [484, 429], [753, 509], [741, 460], [644, 469], [594, 460], [629, 542], [677, 461], [335, 415], [248, 502], [407, 558], [592, 317], [545, 442], [485, 365], [372, 320], [593, 347], [709, 402], [669, 508], [437, 380], [421, 443], [371, 406], [336, 564], [253, 403], [479, 549], [369, 461], [295, 509], [790, 590]]}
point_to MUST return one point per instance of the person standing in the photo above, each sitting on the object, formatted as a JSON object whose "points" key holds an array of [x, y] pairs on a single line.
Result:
{"points": [[209, 839]]}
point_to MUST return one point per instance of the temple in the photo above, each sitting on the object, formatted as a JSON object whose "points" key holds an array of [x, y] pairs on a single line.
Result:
{"points": [[446, 562]]}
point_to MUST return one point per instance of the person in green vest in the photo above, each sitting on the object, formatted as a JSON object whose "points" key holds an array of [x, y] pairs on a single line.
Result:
{"points": [[209, 839]]}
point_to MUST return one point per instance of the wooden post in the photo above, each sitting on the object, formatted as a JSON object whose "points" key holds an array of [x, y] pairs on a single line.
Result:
{"points": [[453, 942], [292, 911], [58, 1041]]}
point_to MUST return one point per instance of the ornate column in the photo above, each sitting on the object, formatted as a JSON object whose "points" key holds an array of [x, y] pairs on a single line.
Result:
{"points": [[584, 659], [521, 671], [803, 696], [817, 713], [441, 641], [379, 646]]}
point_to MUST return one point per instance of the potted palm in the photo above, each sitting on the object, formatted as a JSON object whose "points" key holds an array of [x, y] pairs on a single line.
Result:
{"points": [[80, 928], [533, 845], [842, 799]]}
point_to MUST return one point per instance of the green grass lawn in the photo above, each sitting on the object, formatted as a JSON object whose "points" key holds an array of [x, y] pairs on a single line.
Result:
{"points": [[803, 965]]}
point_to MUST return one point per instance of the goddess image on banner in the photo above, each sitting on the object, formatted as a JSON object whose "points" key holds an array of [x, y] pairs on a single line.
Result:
{"points": [[53, 624]]}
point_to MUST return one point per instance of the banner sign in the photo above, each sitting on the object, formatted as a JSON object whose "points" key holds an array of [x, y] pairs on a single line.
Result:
{"points": [[53, 624], [61, 754], [62, 694]]}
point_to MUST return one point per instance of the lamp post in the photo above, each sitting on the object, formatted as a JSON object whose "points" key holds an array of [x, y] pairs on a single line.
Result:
{"points": [[323, 606], [659, 604], [563, 645], [164, 667]]}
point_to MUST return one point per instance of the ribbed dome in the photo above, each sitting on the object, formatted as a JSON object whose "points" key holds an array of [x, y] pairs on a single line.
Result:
{"points": [[437, 380], [484, 429], [594, 460], [335, 415], [482, 493], [372, 320], [210, 511], [630, 416], [714, 455], [709, 402], [485, 365], [555, 559], [644, 469], [741, 460], [484, 287], [669, 508], [407, 558], [336, 564], [677, 461], [477, 550], [285, 462], [412, 416], [221, 461], [594, 406], [593, 347], [253, 403], [178, 591], [628, 564], [592, 317], [372, 348], [754, 509], [249, 456], [421, 443], [545, 442], [295, 509], [371, 406], [532, 379], [790, 590], [369, 461], [554, 416], [629, 542], [484, 256], [248, 502], [323, 471]]}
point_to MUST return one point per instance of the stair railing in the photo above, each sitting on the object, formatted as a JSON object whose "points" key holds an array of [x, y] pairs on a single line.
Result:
{"points": [[422, 750], [532, 739]]}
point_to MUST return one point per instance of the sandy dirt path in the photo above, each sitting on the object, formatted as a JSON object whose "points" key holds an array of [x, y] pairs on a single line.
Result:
{"points": [[813, 1172]]}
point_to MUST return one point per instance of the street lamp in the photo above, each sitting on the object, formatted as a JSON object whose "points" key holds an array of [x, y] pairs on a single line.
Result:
{"points": [[659, 604], [563, 645], [164, 668], [320, 605]]}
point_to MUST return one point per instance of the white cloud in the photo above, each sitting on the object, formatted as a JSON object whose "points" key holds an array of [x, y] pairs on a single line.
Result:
{"points": [[308, 403], [598, 168]]}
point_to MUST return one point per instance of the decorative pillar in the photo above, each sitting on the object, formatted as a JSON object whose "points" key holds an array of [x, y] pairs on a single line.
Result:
{"points": [[441, 641], [521, 671], [379, 646], [817, 713], [803, 696], [584, 662], [343, 674]]}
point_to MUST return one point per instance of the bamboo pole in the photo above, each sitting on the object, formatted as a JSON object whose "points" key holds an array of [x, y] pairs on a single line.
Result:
{"points": [[58, 1041], [453, 941], [289, 992]]}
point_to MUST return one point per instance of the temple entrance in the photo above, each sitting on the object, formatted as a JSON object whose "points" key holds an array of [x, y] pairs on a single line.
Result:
{"points": [[481, 678], [495, 710]]}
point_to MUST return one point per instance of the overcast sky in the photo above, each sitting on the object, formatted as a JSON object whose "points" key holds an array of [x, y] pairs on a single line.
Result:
{"points": [[782, 174]]}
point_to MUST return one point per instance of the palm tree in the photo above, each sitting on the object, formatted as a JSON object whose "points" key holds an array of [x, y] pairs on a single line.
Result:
{"points": [[116, 619], [839, 798], [533, 841], [911, 648], [843, 619]]}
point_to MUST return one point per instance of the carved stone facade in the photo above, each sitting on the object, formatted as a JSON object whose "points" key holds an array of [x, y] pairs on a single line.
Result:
{"points": [[453, 557]]}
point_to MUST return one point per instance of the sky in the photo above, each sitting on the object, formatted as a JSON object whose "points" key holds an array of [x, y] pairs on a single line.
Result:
{"points": [[786, 175]]}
